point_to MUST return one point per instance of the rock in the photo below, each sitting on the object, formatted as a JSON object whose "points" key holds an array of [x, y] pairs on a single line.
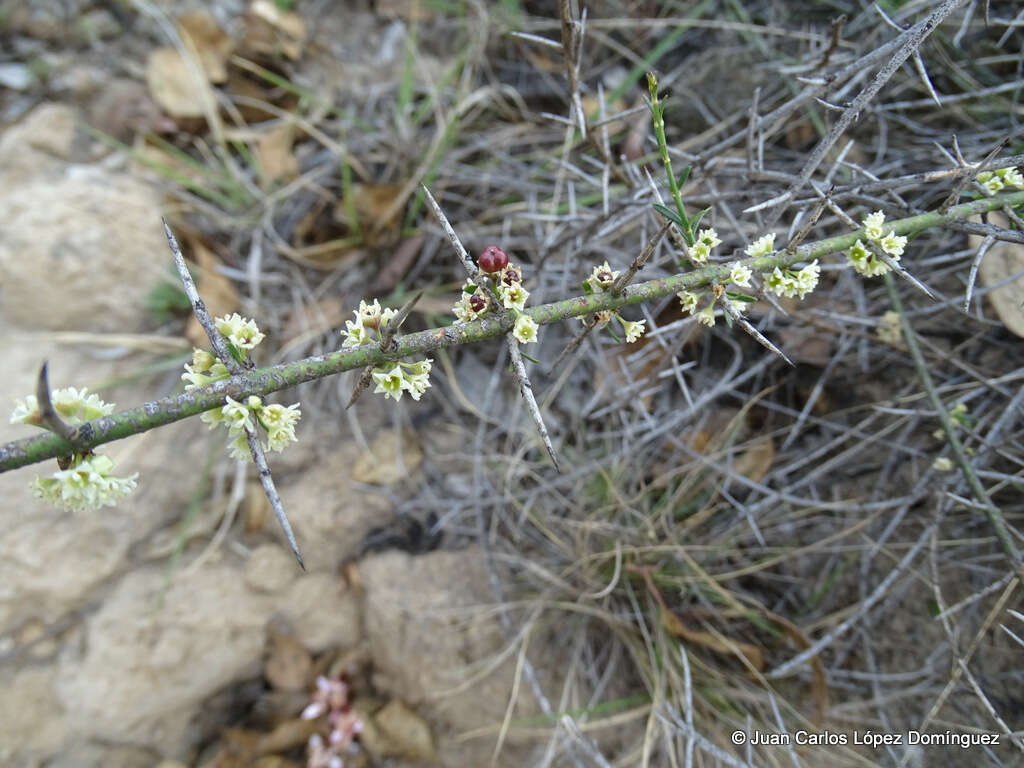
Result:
{"points": [[78, 253], [424, 641], [270, 569], [160, 646], [32, 721], [37, 146], [329, 516]]}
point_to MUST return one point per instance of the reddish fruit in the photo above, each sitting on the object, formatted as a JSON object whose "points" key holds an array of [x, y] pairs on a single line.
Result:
{"points": [[493, 259]]}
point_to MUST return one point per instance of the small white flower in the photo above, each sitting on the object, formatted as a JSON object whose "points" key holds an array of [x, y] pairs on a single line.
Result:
{"points": [[240, 331], [369, 313], [763, 246], [1011, 177], [355, 334], [74, 406], [942, 464], [700, 253], [865, 262], [740, 274], [774, 282], [236, 415], [601, 277], [513, 296], [893, 244], [709, 238], [633, 330], [280, 421], [390, 382], [807, 278], [688, 301], [992, 185], [525, 330], [706, 316], [873, 225]]}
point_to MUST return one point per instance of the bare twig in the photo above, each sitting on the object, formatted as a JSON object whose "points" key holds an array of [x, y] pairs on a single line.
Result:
{"points": [[220, 346], [910, 41]]}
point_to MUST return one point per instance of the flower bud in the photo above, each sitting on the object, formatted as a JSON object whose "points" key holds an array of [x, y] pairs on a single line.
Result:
{"points": [[493, 259]]}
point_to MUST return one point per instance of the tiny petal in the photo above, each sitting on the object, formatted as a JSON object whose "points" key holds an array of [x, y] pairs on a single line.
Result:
{"points": [[706, 316], [873, 225], [634, 330], [740, 274], [525, 330], [688, 301], [763, 246]]}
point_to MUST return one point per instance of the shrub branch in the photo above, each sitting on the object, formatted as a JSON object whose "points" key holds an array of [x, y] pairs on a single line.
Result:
{"points": [[261, 381]]}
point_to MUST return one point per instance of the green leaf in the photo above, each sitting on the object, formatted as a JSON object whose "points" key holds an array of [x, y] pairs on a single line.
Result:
{"points": [[236, 353], [531, 359], [728, 319], [695, 221], [683, 176], [669, 214], [587, 288], [740, 297], [612, 333]]}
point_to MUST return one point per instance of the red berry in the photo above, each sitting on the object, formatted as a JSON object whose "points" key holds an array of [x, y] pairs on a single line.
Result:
{"points": [[493, 259]]}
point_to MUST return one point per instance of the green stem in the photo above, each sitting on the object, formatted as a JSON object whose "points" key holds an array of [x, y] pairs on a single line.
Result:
{"points": [[263, 381], [658, 120]]}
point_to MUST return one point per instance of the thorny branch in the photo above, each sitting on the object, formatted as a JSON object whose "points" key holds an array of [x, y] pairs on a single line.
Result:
{"points": [[261, 381], [223, 350]]}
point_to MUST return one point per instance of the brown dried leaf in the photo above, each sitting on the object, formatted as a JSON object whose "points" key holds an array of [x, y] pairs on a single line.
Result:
{"points": [[1003, 260], [180, 89], [271, 31], [379, 218], [392, 457], [275, 157], [200, 30]]}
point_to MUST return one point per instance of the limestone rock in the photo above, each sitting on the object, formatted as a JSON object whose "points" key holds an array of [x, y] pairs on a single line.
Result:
{"points": [[426, 640], [79, 252], [159, 647]]}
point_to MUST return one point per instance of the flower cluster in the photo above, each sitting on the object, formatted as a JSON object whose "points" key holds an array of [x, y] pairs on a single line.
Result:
{"points": [[85, 480], [864, 258], [739, 275], [331, 699], [369, 317], [788, 282], [392, 379], [500, 278], [602, 278], [994, 181], [278, 421], [413, 378]]}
